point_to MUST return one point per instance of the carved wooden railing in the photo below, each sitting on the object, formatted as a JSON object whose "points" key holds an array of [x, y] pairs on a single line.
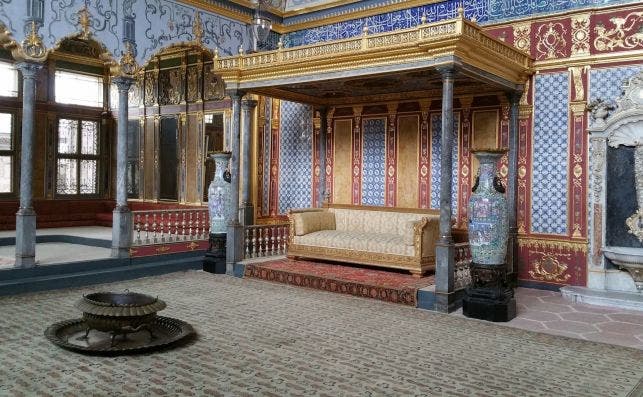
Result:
{"points": [[265, 240], [167, 226], [462, 266]]}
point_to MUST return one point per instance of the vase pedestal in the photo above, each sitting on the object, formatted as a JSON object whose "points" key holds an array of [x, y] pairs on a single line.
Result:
{"points": [[215, 257], [490, 297]]}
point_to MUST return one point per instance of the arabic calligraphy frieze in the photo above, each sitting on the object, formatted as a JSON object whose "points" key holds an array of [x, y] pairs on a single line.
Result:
{"points": [[483, 11]]}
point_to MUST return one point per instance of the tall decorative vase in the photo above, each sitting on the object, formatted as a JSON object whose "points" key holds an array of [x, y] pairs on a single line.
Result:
{"points": [[219, 195], [488, 228]]}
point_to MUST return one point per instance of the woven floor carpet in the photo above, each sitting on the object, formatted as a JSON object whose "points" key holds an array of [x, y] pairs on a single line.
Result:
{"points": [[259, 338], [386, 285]]}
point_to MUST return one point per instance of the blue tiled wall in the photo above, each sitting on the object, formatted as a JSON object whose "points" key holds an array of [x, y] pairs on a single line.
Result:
{"points": [[373, 161], [436, 153], [295, 157], [550, 154]]}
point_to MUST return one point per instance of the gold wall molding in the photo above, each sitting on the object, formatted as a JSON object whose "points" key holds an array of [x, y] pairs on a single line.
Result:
{"points": [[553, 244], [549, 268]]}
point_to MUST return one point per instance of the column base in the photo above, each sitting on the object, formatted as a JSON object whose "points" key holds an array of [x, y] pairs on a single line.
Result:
{"points": [[234, 246], [25, 238], [247, 214], [121, 232], [490, 297], [215, 257]]}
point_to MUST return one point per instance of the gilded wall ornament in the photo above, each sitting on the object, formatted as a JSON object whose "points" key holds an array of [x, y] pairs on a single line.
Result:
{"points": [[549, 268], [84, 21], [551, 43], [32, 45], [213, 86], [197, 29], [193, 78], [580, 35], [577, 78], [522, 36], [626, 33], [150, 87]]}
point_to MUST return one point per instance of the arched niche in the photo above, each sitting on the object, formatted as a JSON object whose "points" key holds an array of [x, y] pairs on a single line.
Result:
{"points": [[616, 194]]}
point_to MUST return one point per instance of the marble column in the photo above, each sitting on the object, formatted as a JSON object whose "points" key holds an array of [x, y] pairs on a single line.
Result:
{"points": [[247, 209], [323, 133], [512, 182], [122, 217], [445, 250], [234, 239], [26, 216]]}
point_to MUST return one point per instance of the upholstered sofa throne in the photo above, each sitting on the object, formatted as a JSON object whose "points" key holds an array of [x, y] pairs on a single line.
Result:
{"points": [[386, 237]]}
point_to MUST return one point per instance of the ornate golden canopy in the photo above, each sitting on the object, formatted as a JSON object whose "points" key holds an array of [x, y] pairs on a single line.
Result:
{"points": [[403, 64]]}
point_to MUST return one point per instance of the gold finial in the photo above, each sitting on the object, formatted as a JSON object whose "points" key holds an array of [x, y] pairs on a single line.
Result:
{"points": [[84, 20], [197, 28], [365, 29], [423, 19], [460, 12], [128, 61], [241, 50], [32, 45], [280, 44], [216, 53]]}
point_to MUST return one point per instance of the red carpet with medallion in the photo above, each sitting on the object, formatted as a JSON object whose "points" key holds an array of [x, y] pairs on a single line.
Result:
{"points": [[386, 285]]}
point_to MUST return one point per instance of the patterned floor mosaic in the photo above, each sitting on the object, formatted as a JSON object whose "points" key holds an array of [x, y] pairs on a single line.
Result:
{"points": [[386, 285], [258, 338]]}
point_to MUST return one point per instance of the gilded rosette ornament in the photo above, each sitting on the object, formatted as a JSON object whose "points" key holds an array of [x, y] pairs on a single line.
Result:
{"points": [[127, 67], [32, 46]]}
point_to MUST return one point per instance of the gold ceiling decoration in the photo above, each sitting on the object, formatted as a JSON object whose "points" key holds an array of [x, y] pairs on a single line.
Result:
{"points": [[33, 48]]}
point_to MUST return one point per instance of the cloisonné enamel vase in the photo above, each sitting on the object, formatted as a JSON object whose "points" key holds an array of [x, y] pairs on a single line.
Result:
{"points": [[219, 191], [488, 227]]}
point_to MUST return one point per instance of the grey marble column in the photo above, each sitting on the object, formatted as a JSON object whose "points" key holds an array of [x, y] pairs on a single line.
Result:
{"points": [[26, 216], [323, 133], [122, 217], [445, 251], [512, 181], [234, 239], [247, 209]]}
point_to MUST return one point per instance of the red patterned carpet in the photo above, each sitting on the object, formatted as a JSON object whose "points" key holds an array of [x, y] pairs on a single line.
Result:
{"points": [[389, 286]]}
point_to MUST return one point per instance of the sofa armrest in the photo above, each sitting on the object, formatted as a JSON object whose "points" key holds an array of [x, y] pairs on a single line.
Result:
{"points": [[426, 234]]}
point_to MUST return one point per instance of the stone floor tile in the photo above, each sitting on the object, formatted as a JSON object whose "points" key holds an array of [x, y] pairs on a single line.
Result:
{"points": [[562, 333], [538, 315], [557, 299], [534, 292], [621, 328], [547, 307], [627, 318], [570, 326], [524, 323], [612, 338], [590, 318], [585, 308]]}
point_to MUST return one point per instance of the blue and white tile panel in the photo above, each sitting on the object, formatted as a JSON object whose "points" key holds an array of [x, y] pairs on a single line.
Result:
{"points": [[436, 155], [373, 161], [295, 155], [550, 154]]}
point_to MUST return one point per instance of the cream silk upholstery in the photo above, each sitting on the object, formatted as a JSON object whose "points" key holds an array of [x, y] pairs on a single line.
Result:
{"points": [[377, 237]]}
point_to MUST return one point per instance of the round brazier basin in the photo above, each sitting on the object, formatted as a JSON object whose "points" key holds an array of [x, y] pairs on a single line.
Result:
{"points": [[119, 312]]}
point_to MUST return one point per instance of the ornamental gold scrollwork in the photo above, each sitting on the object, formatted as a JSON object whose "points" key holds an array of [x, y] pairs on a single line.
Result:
{"points": [[85, 22], [580, 35], [551, 42], [522, 37], [549, 268], [626, 33], [197, 28]]}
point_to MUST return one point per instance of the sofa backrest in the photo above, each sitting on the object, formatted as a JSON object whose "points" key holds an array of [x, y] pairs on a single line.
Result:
{"points": [[387, 222], [313, 221]]}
